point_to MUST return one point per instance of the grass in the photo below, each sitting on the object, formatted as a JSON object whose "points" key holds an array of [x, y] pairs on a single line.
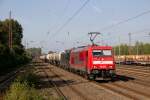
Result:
{"points": [[22, 91], [28, 78], [23, 88]]}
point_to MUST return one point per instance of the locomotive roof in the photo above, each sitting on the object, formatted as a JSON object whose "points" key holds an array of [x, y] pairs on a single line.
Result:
{"points": [[90, 46]]}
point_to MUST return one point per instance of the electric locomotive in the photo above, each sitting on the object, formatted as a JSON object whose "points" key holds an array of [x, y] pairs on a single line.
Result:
{"points": [[93, 61]]}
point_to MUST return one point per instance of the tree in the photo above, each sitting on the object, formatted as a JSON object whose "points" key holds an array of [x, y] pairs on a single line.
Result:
{"points": [[34, 52], [16, 30], [3, 34], [139, 48], [16, 55]]}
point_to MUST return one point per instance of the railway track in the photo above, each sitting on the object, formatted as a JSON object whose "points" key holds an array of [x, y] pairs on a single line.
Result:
{"points": [[147, 72], [145, 68], [134, 72], [136, 81], [84, 97], [7, 79], [114, 88], [55, 87], [134, 76], [107, 88], [126, 91], [139, 77], [147, 95]]}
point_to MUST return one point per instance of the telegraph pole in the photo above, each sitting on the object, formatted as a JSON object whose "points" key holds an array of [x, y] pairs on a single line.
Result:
{"points": [[10, 31], [119, 50], [137, 50], [129, 43]]}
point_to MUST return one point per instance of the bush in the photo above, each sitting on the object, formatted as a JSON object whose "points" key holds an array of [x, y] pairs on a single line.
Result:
{"points": [[23, 88], [29, 78], [22, 91], [12, 58]]}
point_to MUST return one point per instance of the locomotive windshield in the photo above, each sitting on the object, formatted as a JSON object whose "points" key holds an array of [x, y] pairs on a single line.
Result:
{"points": [[102, 53]]}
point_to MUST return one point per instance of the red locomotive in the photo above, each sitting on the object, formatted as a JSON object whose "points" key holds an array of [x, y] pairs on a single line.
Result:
{"points": [[93, 61]]}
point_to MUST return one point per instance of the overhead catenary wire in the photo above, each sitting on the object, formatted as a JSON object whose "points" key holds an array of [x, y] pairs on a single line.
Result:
{"points": [[67, 22], [140, 31], [62, 15], [65, 8], [124, 21], [71, 18], [104, 28]]}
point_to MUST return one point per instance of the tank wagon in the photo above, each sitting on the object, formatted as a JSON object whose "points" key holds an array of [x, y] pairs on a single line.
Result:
{"points": [[64, 59], [43, 58], [90, 61], [50, 58]]}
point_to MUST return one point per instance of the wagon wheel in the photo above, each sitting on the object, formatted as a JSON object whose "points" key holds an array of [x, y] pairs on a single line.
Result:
{"points": [[91, 77], [86, 76]]}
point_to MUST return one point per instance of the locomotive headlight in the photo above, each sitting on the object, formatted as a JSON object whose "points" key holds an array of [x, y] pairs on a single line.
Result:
{"points": [[110, 66]]}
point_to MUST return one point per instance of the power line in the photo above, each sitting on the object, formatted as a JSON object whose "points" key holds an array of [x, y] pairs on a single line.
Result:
{"points": [[63, 13], [126, 20], [71, 18], [65, 8], [10, 31], [140, 31]]}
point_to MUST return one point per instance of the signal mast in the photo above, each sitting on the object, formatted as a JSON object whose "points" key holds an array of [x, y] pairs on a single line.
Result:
{"points": [[93, 36]]}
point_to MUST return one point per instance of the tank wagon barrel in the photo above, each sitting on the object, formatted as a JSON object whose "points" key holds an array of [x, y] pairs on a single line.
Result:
{"points": [[43, 58]]}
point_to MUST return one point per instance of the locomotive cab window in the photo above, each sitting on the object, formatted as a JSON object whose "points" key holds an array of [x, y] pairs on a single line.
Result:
{"points": [[102, 53], [107, 52], [97, 52]]}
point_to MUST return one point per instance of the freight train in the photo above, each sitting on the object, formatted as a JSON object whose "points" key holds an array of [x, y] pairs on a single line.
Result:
{"points": [[133, 59], [91, 61]]}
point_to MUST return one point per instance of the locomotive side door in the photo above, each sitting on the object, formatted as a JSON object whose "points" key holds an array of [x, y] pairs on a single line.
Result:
{"points": [[86, 60]]}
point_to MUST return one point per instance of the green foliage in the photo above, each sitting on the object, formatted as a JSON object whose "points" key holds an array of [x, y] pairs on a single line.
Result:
{"points": [[23, 89], [30, 78], [17, 55], [34, 52], [16, 30], [139, 48]]}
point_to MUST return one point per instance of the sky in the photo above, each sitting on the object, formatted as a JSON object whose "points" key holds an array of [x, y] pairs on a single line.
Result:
{"points": [[56, 25]]}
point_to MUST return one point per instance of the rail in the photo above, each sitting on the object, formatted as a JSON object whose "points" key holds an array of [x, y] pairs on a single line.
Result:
{"points": [[59, 92]]}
